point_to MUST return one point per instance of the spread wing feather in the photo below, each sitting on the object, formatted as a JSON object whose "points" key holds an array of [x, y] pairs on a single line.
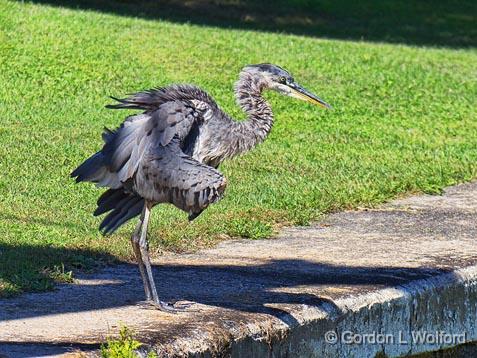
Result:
{"points": [[136, 135], [142, 159]]}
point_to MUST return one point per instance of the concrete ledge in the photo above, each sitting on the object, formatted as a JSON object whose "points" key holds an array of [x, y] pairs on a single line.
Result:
{"points": [[394, 281]]}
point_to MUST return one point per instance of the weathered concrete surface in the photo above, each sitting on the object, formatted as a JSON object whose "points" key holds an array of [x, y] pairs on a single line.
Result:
{"points": [[410, 266]]}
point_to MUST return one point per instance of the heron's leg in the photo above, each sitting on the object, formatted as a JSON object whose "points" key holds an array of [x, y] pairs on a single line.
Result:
{"points": [[163, 306], [137, 252], [145, 252]]}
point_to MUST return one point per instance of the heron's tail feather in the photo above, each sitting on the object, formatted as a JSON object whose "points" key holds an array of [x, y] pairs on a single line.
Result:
{"points": [[95, 169], [89, 169], [122, 207]]}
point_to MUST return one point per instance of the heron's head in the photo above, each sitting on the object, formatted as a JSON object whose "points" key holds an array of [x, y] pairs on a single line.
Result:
{"points": [[280, 80]]}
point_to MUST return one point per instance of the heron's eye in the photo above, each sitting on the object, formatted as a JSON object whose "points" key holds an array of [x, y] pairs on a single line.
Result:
{"points": [[282, 80]]}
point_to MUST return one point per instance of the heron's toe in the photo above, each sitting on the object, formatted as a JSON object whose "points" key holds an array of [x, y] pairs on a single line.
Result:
{"points": [[174, 307]]}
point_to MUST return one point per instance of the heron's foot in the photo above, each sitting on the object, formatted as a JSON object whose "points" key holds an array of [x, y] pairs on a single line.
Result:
{"points": [[173, 307]]}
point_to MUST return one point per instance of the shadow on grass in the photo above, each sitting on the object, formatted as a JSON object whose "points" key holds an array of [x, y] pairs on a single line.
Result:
{"points": [[446, 23], [36, 268]]}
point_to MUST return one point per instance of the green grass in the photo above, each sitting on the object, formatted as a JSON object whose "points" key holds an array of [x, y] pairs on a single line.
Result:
{"points": [[125, 346], [404, 122]]}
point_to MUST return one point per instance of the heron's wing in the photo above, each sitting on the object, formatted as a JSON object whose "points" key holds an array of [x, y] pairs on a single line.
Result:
{"points": [[125, 148], [142, 159]]}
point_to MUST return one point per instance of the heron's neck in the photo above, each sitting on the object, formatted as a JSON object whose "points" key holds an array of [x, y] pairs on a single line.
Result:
{"points": [[249, 133]]}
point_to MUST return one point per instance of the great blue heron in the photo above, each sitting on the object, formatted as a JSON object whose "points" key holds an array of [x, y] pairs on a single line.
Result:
{"points": [[171, 151]]}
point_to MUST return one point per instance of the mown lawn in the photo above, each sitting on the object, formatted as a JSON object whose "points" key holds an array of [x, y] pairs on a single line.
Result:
{"points": [[404, 122]]}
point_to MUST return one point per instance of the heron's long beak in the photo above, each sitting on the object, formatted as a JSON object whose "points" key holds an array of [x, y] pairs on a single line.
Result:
{"points": [[299, 92]]}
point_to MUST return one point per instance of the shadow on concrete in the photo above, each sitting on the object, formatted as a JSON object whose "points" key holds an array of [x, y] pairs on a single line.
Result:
{"points": [[38, 349], [444, 23], [255, 288], [247, 288]]}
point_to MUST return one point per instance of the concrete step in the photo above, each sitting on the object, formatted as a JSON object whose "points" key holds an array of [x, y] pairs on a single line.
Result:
{"points": [[397, 280]]}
